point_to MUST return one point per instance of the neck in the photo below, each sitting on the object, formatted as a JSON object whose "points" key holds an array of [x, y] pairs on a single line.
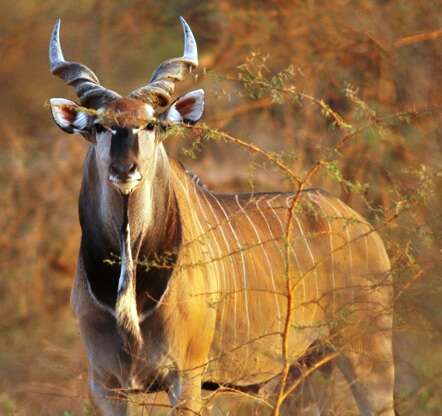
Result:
{"points": [[153, 223]]}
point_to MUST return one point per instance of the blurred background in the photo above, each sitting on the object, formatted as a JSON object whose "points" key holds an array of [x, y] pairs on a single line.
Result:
{"points": [[293, 77]]}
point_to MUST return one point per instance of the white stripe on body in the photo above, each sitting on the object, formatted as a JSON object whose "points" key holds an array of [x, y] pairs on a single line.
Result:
{"points": [[240, 250], [349, 253], [339, 215], [232, 263], [261, 245], [298, 265], [301, 229], [218, 256], [193, 215], [332, 258]]}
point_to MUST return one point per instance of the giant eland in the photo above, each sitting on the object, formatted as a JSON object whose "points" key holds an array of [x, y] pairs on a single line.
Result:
{"points": [[212, 305]]}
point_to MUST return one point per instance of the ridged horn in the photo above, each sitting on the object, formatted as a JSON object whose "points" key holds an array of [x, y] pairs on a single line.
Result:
{"points": [[86, 83], [161, 86]]}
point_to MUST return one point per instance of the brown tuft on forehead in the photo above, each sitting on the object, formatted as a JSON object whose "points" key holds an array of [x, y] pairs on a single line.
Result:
{"points": [[127, 112]]}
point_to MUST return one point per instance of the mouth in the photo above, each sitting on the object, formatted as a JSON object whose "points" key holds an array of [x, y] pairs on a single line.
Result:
{"points": [[127, 185]]}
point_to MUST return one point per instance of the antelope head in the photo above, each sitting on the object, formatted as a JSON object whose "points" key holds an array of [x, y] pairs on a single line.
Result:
{"points": [[125, 131]]}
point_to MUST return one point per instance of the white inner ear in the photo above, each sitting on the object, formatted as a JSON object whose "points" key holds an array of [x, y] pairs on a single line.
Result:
{"points": [[66, 116], [192, 112], [81, 121], [173, 115], [58, 106]]}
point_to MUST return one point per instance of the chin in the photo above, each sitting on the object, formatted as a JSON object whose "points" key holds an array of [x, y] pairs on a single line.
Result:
{"points": [[125, 188]]}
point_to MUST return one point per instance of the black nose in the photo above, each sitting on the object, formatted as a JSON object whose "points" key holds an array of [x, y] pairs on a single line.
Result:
{"points": [[122, 170]]}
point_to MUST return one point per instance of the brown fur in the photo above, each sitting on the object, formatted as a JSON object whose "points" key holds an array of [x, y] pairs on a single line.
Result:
{"points": [[126, 112]]}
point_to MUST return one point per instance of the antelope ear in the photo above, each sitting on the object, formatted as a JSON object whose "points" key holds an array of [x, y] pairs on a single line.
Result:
{"points": [[186, 109], [68, 116]]}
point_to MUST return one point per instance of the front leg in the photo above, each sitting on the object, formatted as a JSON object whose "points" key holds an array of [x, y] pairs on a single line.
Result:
{"points": [[185, 393]]}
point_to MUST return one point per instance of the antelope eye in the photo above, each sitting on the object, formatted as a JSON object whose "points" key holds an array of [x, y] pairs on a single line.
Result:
{"points": [[150, 126], [99, 128]]}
